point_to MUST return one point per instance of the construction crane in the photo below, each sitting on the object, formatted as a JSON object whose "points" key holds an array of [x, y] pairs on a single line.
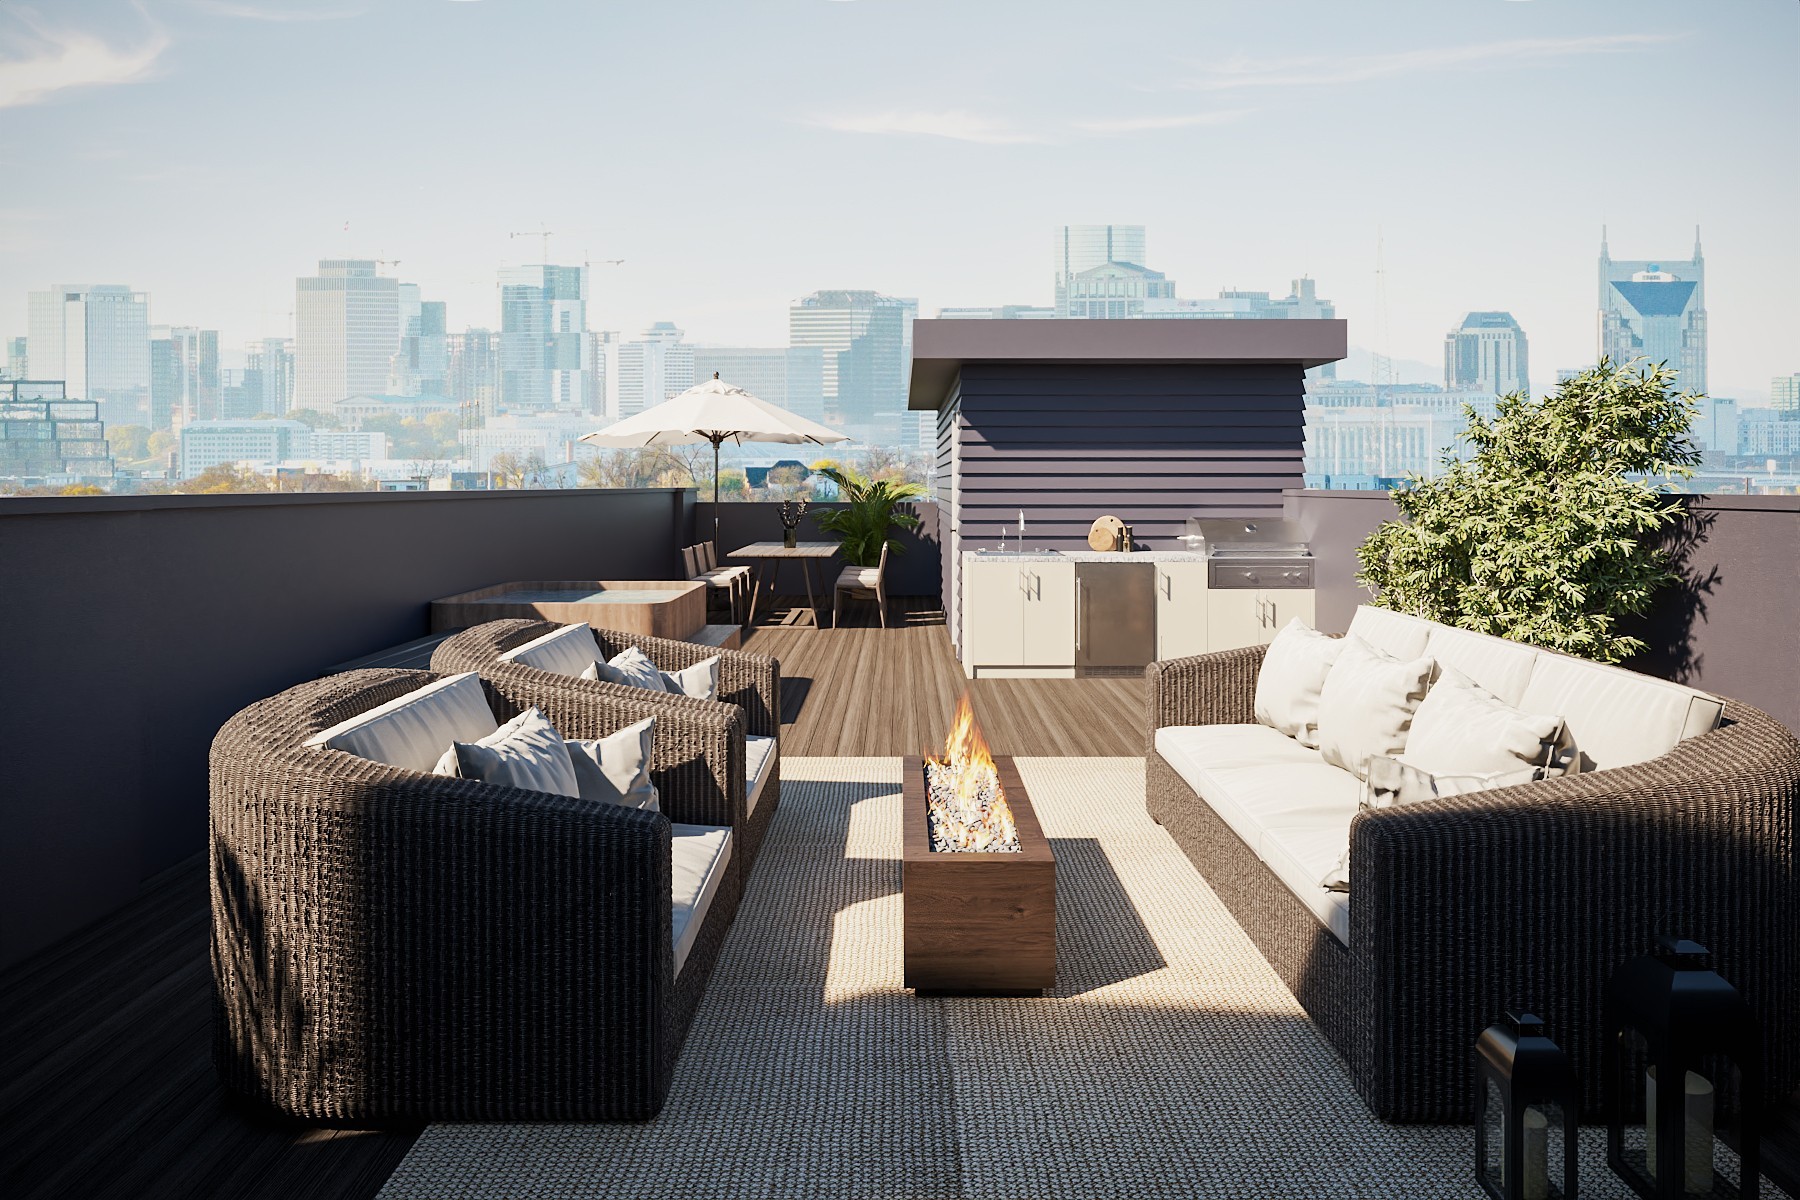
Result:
{"points": [[537, 233]]}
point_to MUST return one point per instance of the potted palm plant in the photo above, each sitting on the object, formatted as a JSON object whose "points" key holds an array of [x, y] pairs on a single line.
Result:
{"points": [[870, 513]]}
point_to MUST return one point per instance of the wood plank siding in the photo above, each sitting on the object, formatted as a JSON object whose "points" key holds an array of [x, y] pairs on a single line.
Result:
{"points": [[1150, 443]]}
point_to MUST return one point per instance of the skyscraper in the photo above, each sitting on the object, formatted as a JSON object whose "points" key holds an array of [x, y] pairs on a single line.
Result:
{"points": [[543, 314], [269, 375], [648, 371], [474, 371], [96, 339], [1487, 352], [184, 375], [347, 328], [18, 359], [1081, 248], [792, 377], [1655, 308], [867, 343], [1784, 396]]}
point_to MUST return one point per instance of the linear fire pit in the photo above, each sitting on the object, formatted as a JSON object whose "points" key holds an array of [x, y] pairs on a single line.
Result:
{"points": [[984, 921]]}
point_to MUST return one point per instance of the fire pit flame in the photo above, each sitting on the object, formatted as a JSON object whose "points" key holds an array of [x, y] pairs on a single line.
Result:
{"points": [[965, 803]]}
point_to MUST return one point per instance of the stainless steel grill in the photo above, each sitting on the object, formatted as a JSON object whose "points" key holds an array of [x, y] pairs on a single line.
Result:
{"points": [[1256, 553]]}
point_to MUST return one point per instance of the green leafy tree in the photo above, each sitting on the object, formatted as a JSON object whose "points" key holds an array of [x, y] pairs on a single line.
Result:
{"points": [[870, 513], [128, 442], [1546, 533]]}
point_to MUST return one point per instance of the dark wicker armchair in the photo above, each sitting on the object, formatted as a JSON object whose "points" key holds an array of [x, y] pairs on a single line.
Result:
{"points": [[709, 767], [1466, 906], [393, 946]]}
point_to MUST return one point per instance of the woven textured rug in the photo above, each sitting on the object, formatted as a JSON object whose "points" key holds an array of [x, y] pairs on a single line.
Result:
{"points": [[1169, 1061]]}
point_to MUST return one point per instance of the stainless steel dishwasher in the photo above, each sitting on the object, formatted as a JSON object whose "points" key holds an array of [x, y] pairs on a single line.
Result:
{"points": [[1115, 617]]}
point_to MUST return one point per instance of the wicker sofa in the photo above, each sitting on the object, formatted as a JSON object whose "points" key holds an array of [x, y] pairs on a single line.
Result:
{"points": [[1465, 906], [737, 767], [392, 945]]}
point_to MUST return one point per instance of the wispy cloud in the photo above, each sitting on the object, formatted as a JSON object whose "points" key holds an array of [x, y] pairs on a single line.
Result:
{"points": [[46, 60], [1314, 70], [264, 12], [1148, 124], [956, 124]]}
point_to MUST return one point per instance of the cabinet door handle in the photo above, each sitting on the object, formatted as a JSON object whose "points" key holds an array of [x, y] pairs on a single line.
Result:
{"points": [[1080, 591]]}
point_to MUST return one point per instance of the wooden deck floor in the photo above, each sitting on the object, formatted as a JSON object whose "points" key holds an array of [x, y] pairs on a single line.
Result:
{"points": [[106, 1081], [863, 690]]}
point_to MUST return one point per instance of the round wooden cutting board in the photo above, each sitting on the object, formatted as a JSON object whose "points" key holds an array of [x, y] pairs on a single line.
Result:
{"points": [[1105, 533]]}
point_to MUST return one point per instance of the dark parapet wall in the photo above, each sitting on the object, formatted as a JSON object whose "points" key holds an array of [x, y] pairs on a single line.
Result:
{"points": [[132, 627]]}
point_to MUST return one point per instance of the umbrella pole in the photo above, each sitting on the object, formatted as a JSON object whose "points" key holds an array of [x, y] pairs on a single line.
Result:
{"points": [[717, 549]]}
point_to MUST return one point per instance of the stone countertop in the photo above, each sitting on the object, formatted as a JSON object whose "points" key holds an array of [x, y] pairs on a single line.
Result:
{"points": [[1086, 556]]}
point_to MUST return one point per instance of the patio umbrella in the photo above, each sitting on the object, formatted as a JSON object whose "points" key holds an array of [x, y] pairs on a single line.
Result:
{"points": [[716, 412]]}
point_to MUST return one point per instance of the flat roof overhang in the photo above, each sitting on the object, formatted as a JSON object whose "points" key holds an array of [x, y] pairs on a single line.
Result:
{"points": [[941, 348]]}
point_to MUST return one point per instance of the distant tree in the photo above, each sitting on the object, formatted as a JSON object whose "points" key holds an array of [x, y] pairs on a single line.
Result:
{"points": [[160, 443], [313, 417], [129, 442], [1547, 533], [80, 489], [732, 485], [226, 478], [787, 483]]}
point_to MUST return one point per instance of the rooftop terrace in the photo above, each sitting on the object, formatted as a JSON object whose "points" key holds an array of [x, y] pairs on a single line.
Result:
{"points": [[1169, 1060]]}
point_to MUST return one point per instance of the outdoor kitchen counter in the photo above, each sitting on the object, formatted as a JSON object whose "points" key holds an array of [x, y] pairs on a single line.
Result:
{"points": [[1142, 556]]}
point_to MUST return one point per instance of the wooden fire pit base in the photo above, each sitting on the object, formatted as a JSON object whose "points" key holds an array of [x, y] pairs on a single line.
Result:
{"points": [[977, 923]]}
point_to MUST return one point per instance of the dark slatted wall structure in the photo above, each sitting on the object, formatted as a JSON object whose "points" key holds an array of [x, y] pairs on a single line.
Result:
{"points": [[1151, 444]]}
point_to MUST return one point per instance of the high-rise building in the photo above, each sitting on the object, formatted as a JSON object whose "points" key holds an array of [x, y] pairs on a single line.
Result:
{"points": [[867, 343], [646, 372], [543, 315], [474, 371], [49, 439], [96, 339], [184, 375], [18, 358], [347, 328], [792, 377], [1784, 396], [269, 375], [422, 364], [998, 312], [1655, 308], [1113, 291], [1081, 248], [1487, 351]]}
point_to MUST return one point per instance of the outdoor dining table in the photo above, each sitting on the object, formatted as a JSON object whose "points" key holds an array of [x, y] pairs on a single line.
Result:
{"points": [[762, 552]]}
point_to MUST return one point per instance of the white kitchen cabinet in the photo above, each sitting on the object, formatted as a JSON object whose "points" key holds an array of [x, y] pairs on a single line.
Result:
{"points": [[1287, 603], [1048, 615], [1018, 616], [993, 603], [1181, 609], [1253, 616]]}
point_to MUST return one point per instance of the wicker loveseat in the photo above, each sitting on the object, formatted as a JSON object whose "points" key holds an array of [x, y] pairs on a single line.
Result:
{"points": [[1465, 906], [394, 945], [736, 765]]}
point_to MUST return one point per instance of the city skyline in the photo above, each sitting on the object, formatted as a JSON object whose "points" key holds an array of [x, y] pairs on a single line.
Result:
{"points": [[751, 189]]}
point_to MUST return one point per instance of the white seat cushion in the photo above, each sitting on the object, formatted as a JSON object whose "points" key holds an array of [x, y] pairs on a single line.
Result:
{"points": [[859, 577], [1501, 666], [1617, 717], [566, 651], [700, 855], [1301, 859], [720, 577], [412, 731], [759, 756], [1206, 756], [1394, 633]]}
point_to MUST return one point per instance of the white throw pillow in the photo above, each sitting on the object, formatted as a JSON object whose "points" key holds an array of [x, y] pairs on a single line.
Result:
{"points": [[701, 681], [631, 667], [1292, 675], [1461, 728], [1366, 706], [526, 752], [569, 650], [615, 769]]}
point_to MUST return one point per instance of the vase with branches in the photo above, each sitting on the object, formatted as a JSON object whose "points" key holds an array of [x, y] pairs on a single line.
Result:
{"points": [[791, 512], [870, 514]]}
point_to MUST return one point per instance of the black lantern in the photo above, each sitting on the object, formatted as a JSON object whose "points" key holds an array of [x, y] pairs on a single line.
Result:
{"points": [[1682, 1047], [1525, 1106]]}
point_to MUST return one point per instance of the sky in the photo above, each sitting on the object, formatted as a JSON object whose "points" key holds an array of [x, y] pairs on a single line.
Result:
{"points": [[1418, 158]]}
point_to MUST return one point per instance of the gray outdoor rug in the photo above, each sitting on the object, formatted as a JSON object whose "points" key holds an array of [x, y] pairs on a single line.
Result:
{"points": [[1169, 1061]]}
